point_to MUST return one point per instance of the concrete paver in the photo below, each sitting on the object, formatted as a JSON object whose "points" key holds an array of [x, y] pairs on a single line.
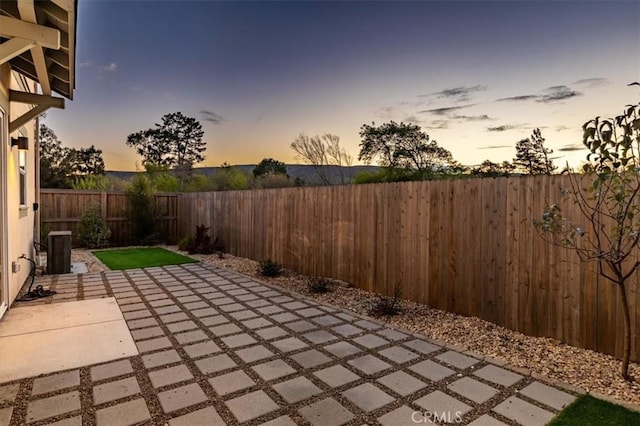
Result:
{"points": [[48, 407], [310, 358], [112, 369], [457, 359], [231, 382], [498, 375], [402, 383], [205, 416], [181, 397], [473, 390], [8, 393], [327, 412], [523, 412], [251, 405], [56, 382], [127, 413], [169, 376], [160, 358], [441, 404], [336, 376], [401, 416], [369, 364], [215, 363], [297, 389], [273, 369], [431, 370], [548, 395], [112, 391], [368, 397]]}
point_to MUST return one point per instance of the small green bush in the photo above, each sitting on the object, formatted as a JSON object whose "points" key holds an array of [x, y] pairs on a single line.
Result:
{"points": [[92, 229], [387, 306], [201, 241], [269, 268], [318, 284], [186, 243]]}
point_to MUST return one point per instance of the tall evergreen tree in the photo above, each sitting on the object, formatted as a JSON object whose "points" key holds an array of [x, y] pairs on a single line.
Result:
{"points": [[532, 157]]}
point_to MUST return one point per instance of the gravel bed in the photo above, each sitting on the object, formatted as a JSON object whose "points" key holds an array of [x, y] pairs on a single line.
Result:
{"points": [[589, 370]]}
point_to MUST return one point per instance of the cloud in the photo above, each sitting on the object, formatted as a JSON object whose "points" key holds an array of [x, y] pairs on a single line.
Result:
{"points": [[518, 98], [553, 94], [111, 67], [445, 110], [211, 117], [412, 119], [385, 113], [505, 127], [458, 94], [495, 146], [562, 127], [85, 64], [439, 124], [570, 148], [592, 82], [483, 117], [558, 93]]}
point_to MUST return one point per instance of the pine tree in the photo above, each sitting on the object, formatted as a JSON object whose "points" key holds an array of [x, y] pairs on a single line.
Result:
{"points": [[532, 157]]}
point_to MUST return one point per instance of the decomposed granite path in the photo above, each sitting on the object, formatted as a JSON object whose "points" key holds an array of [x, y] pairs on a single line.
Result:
{"points": [[217, 348]]}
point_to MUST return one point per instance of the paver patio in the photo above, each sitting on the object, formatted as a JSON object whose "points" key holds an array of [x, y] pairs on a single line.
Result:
{"points": [[217, 347]]}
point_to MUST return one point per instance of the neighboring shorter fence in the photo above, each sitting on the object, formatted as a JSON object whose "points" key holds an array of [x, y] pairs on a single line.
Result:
{"points": [[61, 209]]}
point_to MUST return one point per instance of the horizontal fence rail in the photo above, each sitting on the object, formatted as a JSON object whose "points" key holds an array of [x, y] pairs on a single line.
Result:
{"points": [[464, 246], [61, 210]]}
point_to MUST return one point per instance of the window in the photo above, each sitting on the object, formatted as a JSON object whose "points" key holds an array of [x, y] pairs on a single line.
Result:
{"points": [[22, 169]]}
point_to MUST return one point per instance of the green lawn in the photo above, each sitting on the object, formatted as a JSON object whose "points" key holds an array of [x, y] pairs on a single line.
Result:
{"points": [[590, 411], [140, 258]]}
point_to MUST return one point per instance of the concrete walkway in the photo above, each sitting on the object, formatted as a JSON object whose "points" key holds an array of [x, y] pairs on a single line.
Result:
{"points": [[217, 347]]}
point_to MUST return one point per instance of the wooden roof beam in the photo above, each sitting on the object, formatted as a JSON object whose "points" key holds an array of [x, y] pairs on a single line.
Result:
{"points": [[39, 34], [14, 47], [41, 102]]}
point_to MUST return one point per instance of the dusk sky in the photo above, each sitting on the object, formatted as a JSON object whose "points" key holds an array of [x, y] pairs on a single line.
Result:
{"points": [[476, 76]]}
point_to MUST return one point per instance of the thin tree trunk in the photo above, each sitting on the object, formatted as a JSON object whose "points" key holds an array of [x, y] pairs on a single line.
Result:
{"points": [[627, 333]]}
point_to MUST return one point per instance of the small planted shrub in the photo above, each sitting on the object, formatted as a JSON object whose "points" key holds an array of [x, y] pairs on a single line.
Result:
{"points": [[200, 242], [386, 306], [318, 284], [269, 268], [186, 243], [92, 229]]}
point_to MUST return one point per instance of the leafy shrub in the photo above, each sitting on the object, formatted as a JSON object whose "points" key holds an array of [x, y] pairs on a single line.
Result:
{"points": [[269, 268], [387, 306], [92, 229], [91, 182], [141, 210], [186, 243], [200, 243], [318, 284]]}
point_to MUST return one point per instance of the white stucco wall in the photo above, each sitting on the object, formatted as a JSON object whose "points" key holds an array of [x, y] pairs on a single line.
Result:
{"points": [[19, 222]]}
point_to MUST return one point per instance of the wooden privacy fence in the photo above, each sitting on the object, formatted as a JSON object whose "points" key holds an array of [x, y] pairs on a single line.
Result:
{"points": [[464, 246], [61, 209]]}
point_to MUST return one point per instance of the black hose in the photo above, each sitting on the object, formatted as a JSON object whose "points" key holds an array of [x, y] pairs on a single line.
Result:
{"points": [[39, 291]]}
